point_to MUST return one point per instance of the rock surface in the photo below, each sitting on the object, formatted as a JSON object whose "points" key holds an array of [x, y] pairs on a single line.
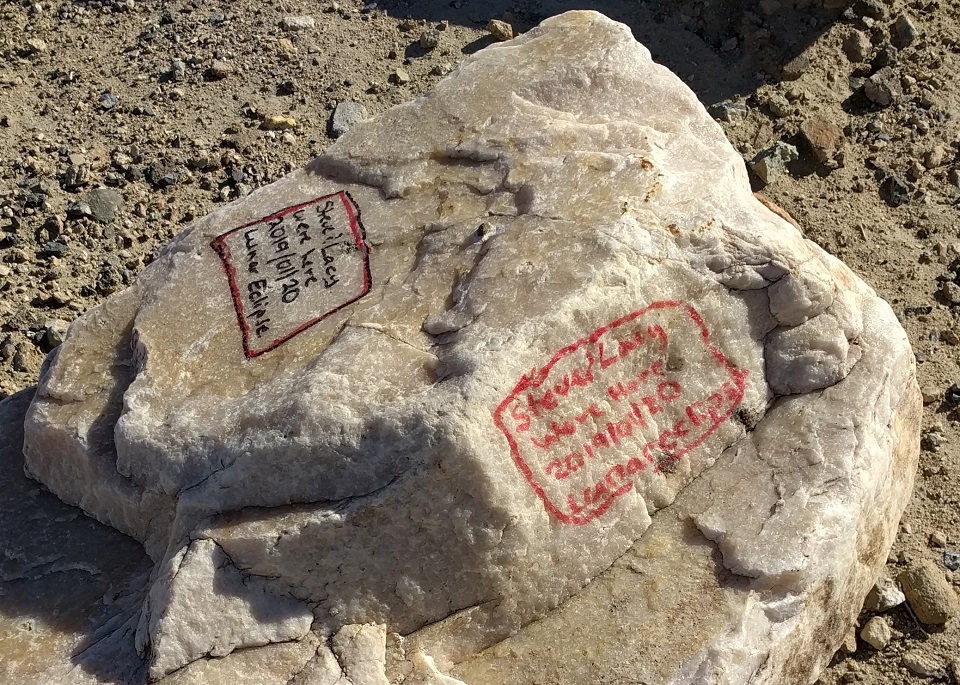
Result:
{"points": [[526, 348]]}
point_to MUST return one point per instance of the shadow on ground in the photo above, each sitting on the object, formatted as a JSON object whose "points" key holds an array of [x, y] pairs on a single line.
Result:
{"points": [[64, 578], [720, 48]]}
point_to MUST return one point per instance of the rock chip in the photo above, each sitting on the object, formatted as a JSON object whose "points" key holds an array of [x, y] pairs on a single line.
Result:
{"points": [[400, 76], [278, 122], [518, 370], [500, 30], [924, 664], [177, 70], [904, 31], [346, 115], [884, 595], [36, 46], [877, 633], [54, 331], [220, 69], [895, 191], [300, 22], [771, 164], [857, 46], [104, 204], [929, 594], [108, 102], [429, 39], [796, 67], [728, 110], [824, 138], [883, 87]]}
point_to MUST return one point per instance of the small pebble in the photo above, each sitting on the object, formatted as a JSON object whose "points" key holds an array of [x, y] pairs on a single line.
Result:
{"points": [[950, 292], [500, 30], [884, 87], [400, 76], [108, 101], [278, 122], [54, 331], [35, 46], [177, 70], [345, 116], [796, 67], [857, 46], [298, 23], [884, 595], [429, 39], [104, 204], [938, 539], [771, 164], [824, 138], [877, 633], [728, 110], [934, 157], [895, 191]]}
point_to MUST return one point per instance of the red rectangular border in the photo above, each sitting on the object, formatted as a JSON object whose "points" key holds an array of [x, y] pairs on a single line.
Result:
{"points": [[219, 245], [538, 376]]}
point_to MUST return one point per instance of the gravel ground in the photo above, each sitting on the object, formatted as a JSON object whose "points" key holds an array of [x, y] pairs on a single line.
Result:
{"points": [[121, 121]]}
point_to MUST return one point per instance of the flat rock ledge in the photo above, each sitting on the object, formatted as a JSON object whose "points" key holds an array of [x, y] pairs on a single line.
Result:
{"points": [[517, 383]]}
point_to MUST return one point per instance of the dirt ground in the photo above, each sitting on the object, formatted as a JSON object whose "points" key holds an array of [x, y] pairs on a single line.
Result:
{"points": [[167, 104]]}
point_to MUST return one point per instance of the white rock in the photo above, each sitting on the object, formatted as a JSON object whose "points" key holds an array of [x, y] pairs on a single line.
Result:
{"points": [[298, 22], [415, 425], [884, 595]]}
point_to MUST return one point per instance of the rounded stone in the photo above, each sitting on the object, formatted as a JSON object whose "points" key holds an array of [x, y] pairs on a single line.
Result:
{"points": [[877, 633], [928, 593]]}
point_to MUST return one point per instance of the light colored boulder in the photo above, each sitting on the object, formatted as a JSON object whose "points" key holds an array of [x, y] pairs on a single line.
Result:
{"points": [[525, 348]]}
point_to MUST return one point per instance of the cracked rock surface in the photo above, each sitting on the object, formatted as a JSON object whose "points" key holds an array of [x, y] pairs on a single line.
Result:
{"points": [[517, 370]]}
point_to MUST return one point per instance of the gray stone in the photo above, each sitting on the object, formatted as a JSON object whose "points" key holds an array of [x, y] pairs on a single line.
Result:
{"points": [[104, 203], [108, 102], [883, 87], [895, 191], [728, 110], [771, 164], [54, 331], [345, 116], [950, 292], [177, 70], [904, 31], [521, 371]]}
